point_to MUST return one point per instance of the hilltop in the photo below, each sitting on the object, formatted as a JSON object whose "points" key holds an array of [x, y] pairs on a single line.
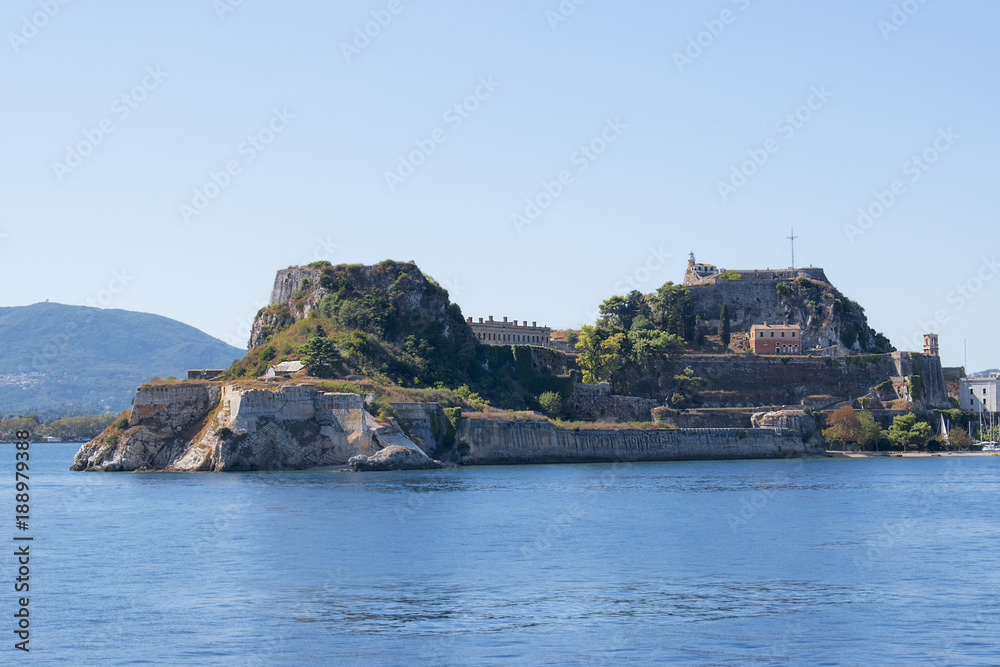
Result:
{"points": [[57, 359]]}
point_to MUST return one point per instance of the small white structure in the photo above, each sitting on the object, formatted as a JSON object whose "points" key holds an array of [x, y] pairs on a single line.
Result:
{"points": [[284, 369], [979, 394]]}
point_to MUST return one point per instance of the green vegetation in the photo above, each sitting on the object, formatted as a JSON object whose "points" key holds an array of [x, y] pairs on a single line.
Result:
{"points": [[728, 275], [71, 429], [387, 322], [673, 311], [320, 356], [724, 333], [626, 349], [907, 432], [848, 427], [551, 403], [686, 390]]}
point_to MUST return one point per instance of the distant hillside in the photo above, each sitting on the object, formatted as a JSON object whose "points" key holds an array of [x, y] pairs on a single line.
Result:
{"points": [[985, 374], [57, 359]]}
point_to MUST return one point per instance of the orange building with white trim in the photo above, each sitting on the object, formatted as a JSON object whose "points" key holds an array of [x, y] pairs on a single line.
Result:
{"points": [[776, 338]]}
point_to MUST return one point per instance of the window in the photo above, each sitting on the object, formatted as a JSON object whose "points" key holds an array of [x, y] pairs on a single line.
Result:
{"points": [[772, 334], [782, 334]]}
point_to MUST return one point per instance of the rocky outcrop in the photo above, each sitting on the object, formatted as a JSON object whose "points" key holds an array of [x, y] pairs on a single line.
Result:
{"points": [[828, 319], [203, 427], [505, 442], [394, 457], [794, 421], [425, 423]]}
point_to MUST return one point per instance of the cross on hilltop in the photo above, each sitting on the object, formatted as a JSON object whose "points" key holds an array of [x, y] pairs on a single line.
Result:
{"points": [[792, 239]]}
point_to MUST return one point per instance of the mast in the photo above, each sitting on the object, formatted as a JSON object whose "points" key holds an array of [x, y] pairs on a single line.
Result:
{"points": [[792, 239]]}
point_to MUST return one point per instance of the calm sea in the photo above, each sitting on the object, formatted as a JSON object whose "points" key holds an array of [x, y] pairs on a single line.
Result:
{"points": [[886, 561]]}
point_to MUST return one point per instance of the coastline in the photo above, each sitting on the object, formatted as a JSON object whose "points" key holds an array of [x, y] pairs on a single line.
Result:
{"points": [[905, 455]]}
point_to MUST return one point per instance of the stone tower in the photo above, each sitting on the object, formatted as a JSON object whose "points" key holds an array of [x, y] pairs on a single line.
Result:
{"points": [[931, 345]]}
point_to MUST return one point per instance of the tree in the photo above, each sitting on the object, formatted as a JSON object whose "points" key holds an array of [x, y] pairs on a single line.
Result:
{"points": [[619, 312], [958, 438], [551, 403], [647, 354], [320, 355], [871, 432], [600, 354], [686, 391], [724, 325], [845, 425], [906, 431], [675, 310]]}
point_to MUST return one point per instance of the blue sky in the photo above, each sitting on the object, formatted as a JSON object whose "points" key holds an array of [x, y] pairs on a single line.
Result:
{"points": [[170, 157]]}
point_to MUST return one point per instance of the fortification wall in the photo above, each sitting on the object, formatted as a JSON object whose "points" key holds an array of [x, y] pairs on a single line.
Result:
{"points": [[171, 404], [788, 383], [595, 402], [496, 442]]}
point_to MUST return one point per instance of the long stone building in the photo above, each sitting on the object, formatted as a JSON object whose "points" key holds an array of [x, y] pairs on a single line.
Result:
{"points": [[493, 332]]}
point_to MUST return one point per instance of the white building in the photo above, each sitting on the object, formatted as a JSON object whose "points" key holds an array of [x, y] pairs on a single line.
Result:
{"points": [[979, 394]]}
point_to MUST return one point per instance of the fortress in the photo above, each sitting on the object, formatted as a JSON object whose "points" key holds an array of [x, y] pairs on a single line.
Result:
{"points": [[709, 274]]}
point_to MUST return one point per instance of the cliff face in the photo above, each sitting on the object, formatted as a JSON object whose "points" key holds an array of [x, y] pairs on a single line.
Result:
{"points": [[502, 442], [827, 317], [193, 427]]}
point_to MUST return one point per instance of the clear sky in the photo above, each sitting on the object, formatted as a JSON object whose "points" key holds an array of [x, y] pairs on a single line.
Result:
{"points": [[169, 157]]}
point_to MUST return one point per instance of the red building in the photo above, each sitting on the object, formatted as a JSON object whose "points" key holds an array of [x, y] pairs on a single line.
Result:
{"points": [[776, 338]]}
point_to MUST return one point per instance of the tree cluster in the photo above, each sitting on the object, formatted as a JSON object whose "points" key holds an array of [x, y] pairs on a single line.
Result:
{"points": [[635, 341]]}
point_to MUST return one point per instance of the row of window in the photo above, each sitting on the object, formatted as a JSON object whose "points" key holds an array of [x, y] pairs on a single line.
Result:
{"points": [[514, 338], [772, 334]]}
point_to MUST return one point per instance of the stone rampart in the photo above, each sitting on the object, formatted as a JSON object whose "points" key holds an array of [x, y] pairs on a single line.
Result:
{"points": [[505, 442], [595, 402]]}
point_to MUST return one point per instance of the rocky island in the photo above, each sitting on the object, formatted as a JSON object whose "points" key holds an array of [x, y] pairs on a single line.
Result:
{"points": [[374, 368]]}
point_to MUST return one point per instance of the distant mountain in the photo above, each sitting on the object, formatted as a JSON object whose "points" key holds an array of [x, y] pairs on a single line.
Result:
{"points": [[57, 359], [984, 374]]}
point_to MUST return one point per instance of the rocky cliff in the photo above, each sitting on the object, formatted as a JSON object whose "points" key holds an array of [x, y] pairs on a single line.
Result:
{"points": [[828, 318], [206, 427]]}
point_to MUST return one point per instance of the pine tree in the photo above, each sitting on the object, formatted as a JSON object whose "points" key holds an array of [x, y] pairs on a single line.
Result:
{"points": [[724, 325]]}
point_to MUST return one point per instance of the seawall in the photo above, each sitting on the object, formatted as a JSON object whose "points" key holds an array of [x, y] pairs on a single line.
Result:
{"points": [[494, 442]]}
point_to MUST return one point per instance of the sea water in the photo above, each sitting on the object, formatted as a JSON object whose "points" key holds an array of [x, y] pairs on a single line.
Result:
{"points": [[827, 561]]}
